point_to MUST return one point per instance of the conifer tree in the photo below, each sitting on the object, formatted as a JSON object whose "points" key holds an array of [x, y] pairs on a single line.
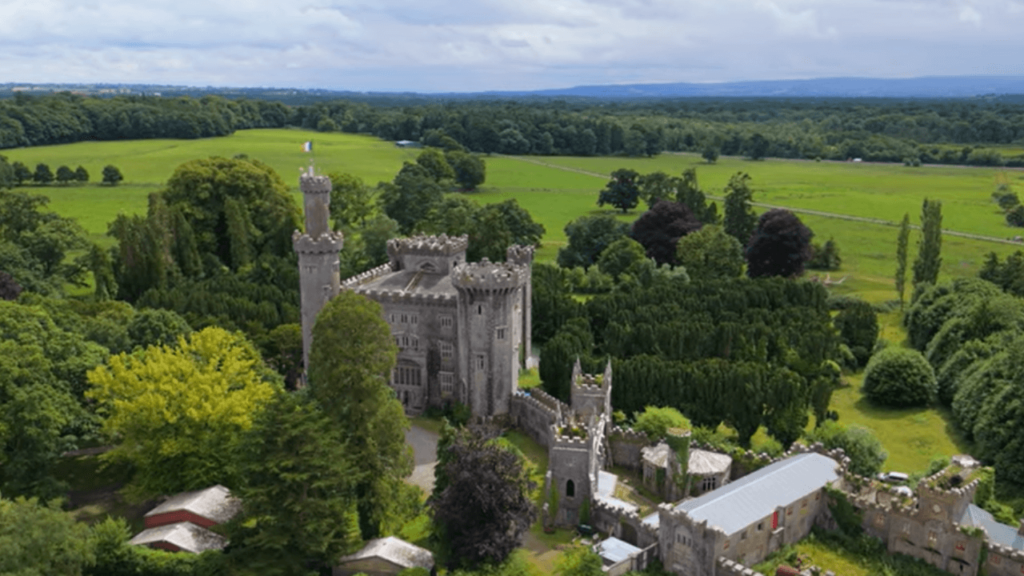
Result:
{"points": [[901, 257], [929, 253], [740, 219]]}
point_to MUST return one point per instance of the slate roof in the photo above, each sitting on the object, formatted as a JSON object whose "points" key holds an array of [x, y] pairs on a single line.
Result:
{"points": [[739, 504], [613, 550], [394, 550], [703, 462], [997, 531], [185, 535], [411, 282], [214, 503]]}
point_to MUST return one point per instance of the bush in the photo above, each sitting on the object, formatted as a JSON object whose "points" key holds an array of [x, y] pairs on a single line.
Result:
{"points": [[861, 446], [858, 327], [899, 377]]}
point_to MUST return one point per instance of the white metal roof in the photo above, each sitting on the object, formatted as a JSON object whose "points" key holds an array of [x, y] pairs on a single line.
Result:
{"points": [[394, 550], [735, 506], [185, 535], [214, 503]]}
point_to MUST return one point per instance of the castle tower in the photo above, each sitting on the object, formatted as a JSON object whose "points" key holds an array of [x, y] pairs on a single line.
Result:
{"points": [[317, 250], [490, 329], [523, 256]]}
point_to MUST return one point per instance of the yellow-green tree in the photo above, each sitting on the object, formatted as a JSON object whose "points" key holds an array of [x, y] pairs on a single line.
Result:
{"points": [[176, 413]]}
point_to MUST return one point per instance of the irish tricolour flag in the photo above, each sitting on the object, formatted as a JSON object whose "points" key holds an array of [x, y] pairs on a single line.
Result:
{"points": [[308, 146]]}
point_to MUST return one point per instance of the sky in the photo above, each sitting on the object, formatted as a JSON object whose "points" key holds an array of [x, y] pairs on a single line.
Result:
{"points": [[478, 45]]}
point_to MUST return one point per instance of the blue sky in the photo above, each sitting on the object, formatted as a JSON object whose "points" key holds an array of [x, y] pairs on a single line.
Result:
{"points": [[473, 45]]}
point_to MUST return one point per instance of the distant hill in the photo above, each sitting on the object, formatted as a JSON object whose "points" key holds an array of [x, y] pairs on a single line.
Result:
{"points": [[925, 87]]}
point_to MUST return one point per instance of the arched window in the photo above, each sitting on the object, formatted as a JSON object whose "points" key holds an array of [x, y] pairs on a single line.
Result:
{"points": [[570, 489]]}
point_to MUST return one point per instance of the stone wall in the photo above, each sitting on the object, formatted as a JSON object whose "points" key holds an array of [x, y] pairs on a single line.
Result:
{"points": [[625, 445], [727, 567], [534, 413]]}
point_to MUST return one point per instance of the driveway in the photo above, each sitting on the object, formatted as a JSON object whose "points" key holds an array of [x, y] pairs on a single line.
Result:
{"points": [[424, 447]]}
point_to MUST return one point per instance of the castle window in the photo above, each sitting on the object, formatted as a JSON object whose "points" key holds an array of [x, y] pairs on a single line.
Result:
{"points": [[447, 350], [398, 342], [447, 321], [502, 332], [392, 318], [479, 309], [405, 318], [415, 343], [407, 375], [405, 341], [414, 319], [480, 362], [708, 483], [447, 383], [743, 536], [760, 526], [570, 489]]}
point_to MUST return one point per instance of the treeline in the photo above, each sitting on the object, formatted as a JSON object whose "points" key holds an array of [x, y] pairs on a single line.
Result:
{"points": [[887, 130], [64, 118]]}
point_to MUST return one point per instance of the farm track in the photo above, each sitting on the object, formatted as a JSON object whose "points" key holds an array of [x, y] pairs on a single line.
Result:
{"points": [[847, 217]]}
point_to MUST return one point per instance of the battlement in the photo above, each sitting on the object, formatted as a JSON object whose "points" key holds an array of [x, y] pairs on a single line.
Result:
{"points": [[314, 184], [568, 442], [489, 276], [728, 567], [530, 400], [588, 382], [327, 243], [519, 254], [367, 276], [629, 435], [931, 487], [412, 298], [441, 245], [1004, 551], [599, 504], [697, 528]]}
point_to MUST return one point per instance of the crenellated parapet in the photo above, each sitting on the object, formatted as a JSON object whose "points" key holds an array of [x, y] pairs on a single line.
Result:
{"points": [[314, 184], [627, 434], [329, 242], [518, 254], [410, 298], [728, 567], [1004, 551], [441, 245], [629, 512], [487, 276], [368, 276]]}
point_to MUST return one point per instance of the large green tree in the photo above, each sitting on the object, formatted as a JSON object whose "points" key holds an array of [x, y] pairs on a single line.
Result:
{"points": [[35, 244], [297, 487], [710, 254], [350, 364], [780, 245], [660, 228], [929, 248], [588, 237], [179, 412], [410, 196], [622, 191], [740, 220], [39, 539]]}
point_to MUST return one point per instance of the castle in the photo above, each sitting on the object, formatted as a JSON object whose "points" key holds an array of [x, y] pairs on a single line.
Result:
{"points": [[463, 333], [462, 328]]}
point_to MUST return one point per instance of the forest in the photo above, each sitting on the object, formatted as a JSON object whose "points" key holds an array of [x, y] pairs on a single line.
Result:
{"points": [[954, 131]]}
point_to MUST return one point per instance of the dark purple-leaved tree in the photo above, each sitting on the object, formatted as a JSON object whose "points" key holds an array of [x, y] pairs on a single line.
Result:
{"points": [[780, 245], [660, 228]]}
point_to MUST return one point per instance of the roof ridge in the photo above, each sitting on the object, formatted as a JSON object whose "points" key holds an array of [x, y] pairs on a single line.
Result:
{"points": [[741, 485]]}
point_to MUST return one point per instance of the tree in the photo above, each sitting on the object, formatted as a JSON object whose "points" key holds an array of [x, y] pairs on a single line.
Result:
{"points": [[65, 175], [350, 364], [155, 327], [660, 228], [413, 193], [7, 174], [579, 560], [655, 421], [858, 327], [825, 257], [9, 287], [688, 192], [860, 445], [621, 256], [899, 377], [622, 191], [929, 247], [710, 254], [485, 509], [470, 170], [710, 154], [780, 246], [179, 412], [901, 256], [282, 349], [433, 160], [38, 243], [81, 174], [112, 175], [297, 490], [1015, 216], [740, 219], [757, 146], [589, 236], [38, 539], [657, 186], [43, 174], [22, 173], [352, 201]]}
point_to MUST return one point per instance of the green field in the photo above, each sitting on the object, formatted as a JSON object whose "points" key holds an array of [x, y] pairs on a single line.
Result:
{"points": [[557, 190]]}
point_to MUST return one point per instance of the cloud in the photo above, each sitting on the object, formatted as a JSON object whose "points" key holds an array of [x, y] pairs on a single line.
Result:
{"points": [[445, 45]]}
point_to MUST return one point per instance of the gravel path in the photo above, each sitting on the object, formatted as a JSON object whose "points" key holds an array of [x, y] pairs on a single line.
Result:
{"points": [[876, 221], [424, 448]]}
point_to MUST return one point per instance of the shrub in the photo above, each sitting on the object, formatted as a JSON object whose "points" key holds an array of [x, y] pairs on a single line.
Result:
{"points": [[899, 377], [861, 446], [858, 327]]}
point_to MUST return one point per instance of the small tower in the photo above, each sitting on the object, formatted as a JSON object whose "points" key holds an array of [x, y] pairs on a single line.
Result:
{"points": [[317, 250], [489, 324]]}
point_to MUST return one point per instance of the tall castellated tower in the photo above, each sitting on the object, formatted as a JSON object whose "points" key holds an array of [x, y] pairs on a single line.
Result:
{"points": [[523, 256], [490, 328], [318, 252]]}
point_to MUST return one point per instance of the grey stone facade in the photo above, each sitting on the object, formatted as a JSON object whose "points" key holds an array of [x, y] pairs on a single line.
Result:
{"points": [[462, 329]]}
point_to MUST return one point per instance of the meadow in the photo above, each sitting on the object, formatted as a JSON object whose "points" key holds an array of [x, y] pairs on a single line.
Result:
{"points": [[557, 190]]}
